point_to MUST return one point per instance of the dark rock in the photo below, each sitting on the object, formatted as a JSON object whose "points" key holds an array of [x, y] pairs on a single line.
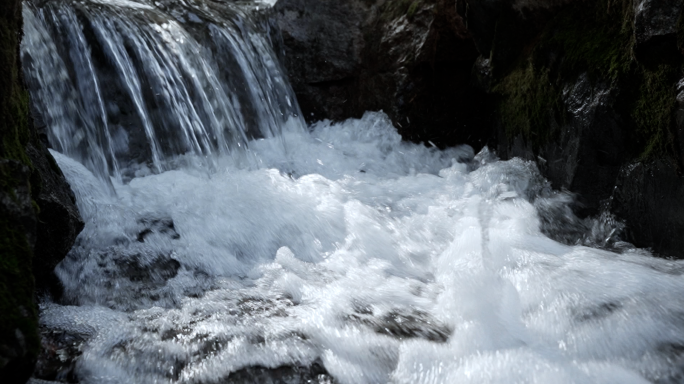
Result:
{"points": [[482, 17], [19, 342], [655, 30], [127, 280], [59, 221], [503, 29], [491, 22], [649, 197], [323, 51], [584, 103], [160, 226], [18, 316], [38, 218], [153, 275], [679, 123], [403, 324], [281, 375], [411, 59], [57, 359], [586, 154]]}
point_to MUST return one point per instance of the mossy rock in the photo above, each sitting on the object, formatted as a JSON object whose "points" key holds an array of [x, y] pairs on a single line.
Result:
{"points": [[19, 341], [594, 38], [397, 8]]}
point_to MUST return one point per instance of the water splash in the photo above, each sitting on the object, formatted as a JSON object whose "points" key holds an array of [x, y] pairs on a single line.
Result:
{"points": [[375, 259]]}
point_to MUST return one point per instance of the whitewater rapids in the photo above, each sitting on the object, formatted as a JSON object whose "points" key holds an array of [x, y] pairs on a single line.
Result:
{"points": [[381, 261]]}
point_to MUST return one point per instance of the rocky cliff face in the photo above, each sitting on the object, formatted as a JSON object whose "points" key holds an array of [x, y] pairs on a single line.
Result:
{"points": [[38, 217], [588, 89]]}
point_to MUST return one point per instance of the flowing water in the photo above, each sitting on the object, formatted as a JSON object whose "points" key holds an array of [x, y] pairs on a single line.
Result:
{"points": [[227, 243]]}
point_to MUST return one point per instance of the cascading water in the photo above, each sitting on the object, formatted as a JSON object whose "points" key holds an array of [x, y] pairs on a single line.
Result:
{"points": [[338, 254], [123, 82]]}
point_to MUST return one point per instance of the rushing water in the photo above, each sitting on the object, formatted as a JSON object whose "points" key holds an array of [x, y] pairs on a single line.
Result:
{"points": [[221, 235], [119, 82]]}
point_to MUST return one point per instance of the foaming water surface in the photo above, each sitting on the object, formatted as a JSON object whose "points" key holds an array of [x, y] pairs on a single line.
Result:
{"points": [[336, 253], [381, 261]]}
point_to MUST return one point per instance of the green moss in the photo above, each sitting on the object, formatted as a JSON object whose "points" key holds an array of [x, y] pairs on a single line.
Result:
{"points": [[593, 37], [653, 110], [412, 9], [596, 38], [680, 32], [396, 8], [529, 102]]}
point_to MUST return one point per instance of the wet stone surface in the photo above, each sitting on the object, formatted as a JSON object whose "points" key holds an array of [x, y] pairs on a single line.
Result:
{"points": [[404, 324], [314, 374], [60, 351]]}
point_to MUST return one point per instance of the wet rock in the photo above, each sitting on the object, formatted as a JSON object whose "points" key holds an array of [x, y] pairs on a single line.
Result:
{"points": [[315, 373], [649, 196], [558, 220], [403, 324], [129, 280], [502, 29], [153, 274], [584, 103], [679, 122], [577, 158], [673, 353], [20, 186], [411, 59], [164, 227], [57, 359], [59, 221], [323, 43], [655, 30], [18, 317]]}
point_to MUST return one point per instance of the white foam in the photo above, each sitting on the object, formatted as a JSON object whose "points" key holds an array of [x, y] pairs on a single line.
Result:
{"points": [[337, 240]]}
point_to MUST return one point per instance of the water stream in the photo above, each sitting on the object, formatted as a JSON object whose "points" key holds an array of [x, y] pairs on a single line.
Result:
{"points": [[225, 242]]}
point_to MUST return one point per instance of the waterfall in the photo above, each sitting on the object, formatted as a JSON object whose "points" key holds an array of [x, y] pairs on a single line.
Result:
{"points": [[224, 242], [124, 85]]}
